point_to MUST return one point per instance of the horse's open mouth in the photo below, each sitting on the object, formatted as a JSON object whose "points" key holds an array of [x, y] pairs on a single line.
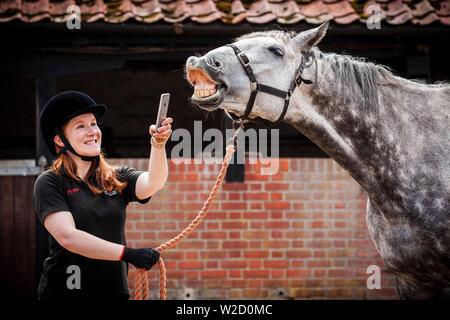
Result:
{"points": [[208, 94]]}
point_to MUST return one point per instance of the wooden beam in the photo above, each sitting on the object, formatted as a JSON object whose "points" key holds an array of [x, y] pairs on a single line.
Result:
{"points": [[235, 171], [45, 89]]}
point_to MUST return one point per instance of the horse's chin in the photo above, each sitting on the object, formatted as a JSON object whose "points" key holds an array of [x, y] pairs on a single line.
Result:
{"points": [[213, 102]]}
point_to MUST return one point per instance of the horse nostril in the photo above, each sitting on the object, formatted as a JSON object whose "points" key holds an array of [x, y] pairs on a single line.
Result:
{"points": [[217, 64], [192, 61]]}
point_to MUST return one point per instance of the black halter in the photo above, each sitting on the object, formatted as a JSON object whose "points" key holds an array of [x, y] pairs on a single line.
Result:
{"points": [[255, 87]]}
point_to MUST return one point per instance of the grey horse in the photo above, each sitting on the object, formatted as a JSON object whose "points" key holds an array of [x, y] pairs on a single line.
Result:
{"points": [[392, 135]]}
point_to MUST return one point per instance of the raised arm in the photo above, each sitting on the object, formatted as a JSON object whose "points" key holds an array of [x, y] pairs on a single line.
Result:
{"points": [[155, 178]]}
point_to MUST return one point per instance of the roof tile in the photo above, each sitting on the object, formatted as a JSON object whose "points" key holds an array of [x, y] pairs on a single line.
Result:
{"points": [[419, 12]]}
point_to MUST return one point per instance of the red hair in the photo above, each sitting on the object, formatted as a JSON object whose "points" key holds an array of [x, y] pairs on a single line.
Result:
{"points": [[105, 174]]}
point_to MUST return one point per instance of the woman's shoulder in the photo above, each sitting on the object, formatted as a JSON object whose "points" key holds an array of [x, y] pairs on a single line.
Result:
{"points": [[49, 177], [124, 170]]}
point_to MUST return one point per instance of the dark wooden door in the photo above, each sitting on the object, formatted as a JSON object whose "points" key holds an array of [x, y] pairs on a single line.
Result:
{"points": [[17, 238]]}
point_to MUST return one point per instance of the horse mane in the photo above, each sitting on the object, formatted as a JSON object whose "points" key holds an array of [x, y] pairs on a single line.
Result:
{"points": [[355, 79]]}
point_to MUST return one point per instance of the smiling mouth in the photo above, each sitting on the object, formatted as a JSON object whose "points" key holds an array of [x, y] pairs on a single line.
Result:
{"points": [[91, 142], [208, 94]]}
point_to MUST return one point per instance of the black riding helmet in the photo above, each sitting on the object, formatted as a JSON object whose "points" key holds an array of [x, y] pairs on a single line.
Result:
{"points": [[59, 110]]}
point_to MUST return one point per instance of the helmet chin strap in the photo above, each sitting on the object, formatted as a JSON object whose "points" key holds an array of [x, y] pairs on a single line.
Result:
{"points": [[67, 146]]}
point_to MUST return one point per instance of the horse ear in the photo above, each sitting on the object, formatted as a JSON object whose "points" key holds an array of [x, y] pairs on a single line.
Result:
{"points": [[308, 39]]}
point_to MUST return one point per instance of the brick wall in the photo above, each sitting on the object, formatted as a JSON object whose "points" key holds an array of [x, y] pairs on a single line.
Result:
{"points": [[300, 233]]}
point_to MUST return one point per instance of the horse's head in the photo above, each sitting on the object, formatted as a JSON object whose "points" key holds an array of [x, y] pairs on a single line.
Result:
{"points": [[220, 80]]}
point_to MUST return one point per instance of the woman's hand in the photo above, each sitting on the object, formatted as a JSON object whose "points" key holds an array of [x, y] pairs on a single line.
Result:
{"points": [[162, 134]]}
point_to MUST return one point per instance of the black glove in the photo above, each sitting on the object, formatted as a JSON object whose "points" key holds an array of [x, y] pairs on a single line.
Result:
{"points": [[141, 258]]}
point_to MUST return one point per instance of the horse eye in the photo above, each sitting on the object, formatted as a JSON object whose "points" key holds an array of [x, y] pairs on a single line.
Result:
{"points": [[276, 51]]}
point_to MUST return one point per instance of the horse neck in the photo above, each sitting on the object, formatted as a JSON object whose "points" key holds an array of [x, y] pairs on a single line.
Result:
{"points": [[342, 118]]}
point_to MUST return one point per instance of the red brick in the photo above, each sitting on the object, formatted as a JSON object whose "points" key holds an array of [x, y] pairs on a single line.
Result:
{"points": [[190, 206], [174, 274], [192, 274], [318, 263], [234, 205], [234, 273], [256, 196], [133, 215], [234, 284], [192, 176], [255, 293], [135, 235], [256, 186], [340, 205], [234, 235], [192, 255], [230, 264], [234, 244], [212, 264], [256, 234], [234, 186], [186, 244], [278, 177], [256, 273], [214, 235], [192, 197], [276, 186], [276, 263], [298, 234], [270, 244], [277, 234], [277, 205], [256, 177], [213, 274], [176, 177], [191, 187], [256, 254], [255, 206], [276, 224], [256, 215], [318, 224], [295, 273], [234, 225], [234, 196], [146, 235], [192, 264], [298, 254], [213, 254]]}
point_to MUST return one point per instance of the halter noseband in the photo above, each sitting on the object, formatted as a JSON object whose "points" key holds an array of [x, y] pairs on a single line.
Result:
{"points": [[255, 87]]}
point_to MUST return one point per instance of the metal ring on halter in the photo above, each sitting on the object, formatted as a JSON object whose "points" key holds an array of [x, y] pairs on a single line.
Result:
{"points": [[238, 122]]}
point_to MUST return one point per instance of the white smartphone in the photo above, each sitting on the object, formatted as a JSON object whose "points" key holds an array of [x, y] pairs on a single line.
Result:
{"points": [[162, 111]]}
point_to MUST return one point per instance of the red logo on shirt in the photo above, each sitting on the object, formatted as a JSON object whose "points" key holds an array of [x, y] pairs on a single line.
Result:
{"points": [[72, 190]]}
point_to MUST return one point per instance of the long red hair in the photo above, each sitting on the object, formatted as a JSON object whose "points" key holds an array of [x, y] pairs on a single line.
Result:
{"points": [[105, 174]]}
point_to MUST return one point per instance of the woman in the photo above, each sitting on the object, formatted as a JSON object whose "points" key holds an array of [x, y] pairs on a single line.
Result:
{"points": [[81, 200]]}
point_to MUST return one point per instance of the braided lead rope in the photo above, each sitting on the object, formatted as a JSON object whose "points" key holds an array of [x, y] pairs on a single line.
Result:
{"points": [[141, 279]]}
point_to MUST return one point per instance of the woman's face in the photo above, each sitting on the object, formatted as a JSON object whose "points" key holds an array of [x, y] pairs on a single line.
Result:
{"points": [[83, 134]]}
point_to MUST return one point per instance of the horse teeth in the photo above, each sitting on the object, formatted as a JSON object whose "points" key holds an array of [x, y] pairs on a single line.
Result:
{"points": [[202, 93]]}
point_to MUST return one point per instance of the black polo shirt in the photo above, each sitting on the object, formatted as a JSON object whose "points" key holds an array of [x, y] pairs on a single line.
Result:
{"points": [[101, 215]]}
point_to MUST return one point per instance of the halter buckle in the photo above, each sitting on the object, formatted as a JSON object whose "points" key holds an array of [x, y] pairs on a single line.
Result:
{"points": [[245, 64]]}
